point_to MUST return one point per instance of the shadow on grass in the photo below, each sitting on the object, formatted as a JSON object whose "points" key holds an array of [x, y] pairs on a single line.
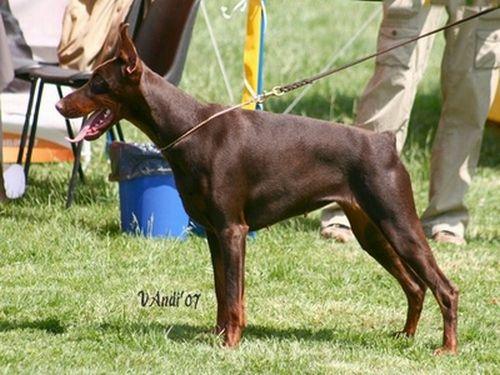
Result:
{"points": [[49, 325], [52, 190], [109, 229], [335, 335], [292, 333], [176, 332], [195, 333], [187, 332]]}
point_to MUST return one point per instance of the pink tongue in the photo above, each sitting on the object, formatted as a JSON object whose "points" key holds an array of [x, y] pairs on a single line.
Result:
{"points": [[83, 132]]}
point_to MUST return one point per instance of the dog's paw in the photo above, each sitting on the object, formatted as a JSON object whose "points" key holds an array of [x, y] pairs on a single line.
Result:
{"points": [[443, 350], [232, 336], [230, 344], [403, 334]]}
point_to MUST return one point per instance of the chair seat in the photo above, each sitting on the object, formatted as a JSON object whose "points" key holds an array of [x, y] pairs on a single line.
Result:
{"points": [[60, 76], [23, 64], [23, 67]]}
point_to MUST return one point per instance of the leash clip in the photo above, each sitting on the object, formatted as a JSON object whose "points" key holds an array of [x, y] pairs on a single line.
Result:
{"points": [[277, 91], [260, 99]]}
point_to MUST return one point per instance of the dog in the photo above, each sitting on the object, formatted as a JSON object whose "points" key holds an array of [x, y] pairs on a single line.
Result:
{"points": [[246, 170]]}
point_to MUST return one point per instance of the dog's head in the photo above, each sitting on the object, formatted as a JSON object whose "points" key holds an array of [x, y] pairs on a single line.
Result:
{"points": [[109, 95]]}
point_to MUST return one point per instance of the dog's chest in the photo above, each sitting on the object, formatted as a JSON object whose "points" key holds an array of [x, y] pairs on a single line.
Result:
{"points": [[193, 190]]}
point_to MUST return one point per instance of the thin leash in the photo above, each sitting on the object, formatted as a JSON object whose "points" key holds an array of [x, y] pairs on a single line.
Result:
{"points": [[337, 55], [283, 89]]}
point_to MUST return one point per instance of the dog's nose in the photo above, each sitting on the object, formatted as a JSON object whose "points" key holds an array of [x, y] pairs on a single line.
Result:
{"points": [[60, 106]]}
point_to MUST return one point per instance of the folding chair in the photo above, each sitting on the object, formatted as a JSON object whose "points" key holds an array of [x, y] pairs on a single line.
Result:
{"points": [[159, 44], [41, 74]]}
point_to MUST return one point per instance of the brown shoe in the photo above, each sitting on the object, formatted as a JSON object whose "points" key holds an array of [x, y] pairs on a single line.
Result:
{"points": [[445, 236], [337, 232]]}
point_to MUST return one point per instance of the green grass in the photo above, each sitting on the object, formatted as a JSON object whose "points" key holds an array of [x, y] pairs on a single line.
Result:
{"points": [[69, 279]]}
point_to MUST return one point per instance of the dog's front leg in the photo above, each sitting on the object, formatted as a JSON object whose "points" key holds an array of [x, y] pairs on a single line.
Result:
{"points": [[219, 281], [232, 240]]}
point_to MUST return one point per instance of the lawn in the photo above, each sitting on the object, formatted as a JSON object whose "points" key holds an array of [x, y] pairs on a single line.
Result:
{"points": [[69, 279]]}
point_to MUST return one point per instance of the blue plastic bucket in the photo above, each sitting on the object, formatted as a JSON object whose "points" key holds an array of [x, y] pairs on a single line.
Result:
{"points": [[149, 202], [151, 206]]}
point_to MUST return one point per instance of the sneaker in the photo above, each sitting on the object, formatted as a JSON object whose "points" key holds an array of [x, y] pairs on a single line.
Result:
{"points": [[14, 181], [445, 236], [338, 232]]}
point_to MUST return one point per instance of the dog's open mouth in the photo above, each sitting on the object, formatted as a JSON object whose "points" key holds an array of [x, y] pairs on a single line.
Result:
{"points": [[98, 122]]}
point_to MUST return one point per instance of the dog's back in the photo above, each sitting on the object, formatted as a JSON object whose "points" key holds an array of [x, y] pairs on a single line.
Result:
{"points": [[291, 164]]}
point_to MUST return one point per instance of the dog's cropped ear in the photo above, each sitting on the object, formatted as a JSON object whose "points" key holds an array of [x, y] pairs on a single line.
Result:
{"points": [[128, 54]]}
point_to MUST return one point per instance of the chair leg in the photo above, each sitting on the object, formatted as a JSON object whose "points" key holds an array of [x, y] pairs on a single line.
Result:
{"points": [[120, 132], [71, 134], [27, 119], [111, 134], [73, 179], [31, 143]]}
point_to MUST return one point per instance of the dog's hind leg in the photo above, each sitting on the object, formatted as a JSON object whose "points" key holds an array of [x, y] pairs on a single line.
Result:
{"points": [[415, 251], [376, 245], [385, 195]]}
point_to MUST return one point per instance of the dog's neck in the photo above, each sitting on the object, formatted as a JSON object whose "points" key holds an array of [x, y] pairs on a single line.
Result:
{"points": [[166, 112]]}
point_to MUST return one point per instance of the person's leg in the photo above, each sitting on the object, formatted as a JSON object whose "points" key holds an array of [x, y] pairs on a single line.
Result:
{"points": [[470, 73], [334, 224], [6, 76], [388, 98], [3, 196], [12, 181]]}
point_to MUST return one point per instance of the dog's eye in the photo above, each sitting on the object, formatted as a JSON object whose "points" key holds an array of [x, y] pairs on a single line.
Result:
{"points": [[98, 85]]}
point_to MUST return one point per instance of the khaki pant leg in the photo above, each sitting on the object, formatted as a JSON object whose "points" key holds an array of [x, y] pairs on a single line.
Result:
{"points": [[89, 33], [470, 73], [388, 98], [3, 196]]}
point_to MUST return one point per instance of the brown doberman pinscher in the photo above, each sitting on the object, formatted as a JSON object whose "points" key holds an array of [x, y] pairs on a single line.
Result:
{"points": [[246, 170]]}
